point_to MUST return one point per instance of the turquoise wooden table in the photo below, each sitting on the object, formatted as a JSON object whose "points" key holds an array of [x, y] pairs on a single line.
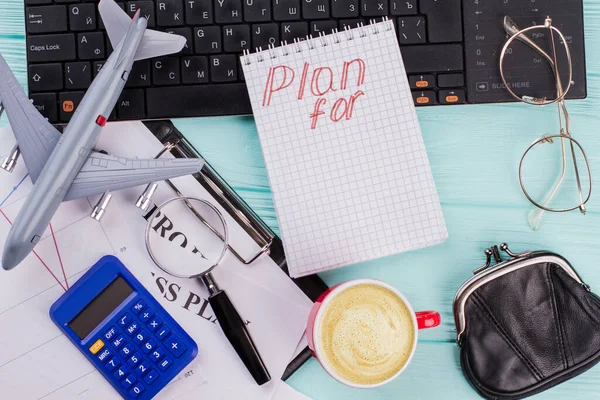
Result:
{"points": [[474, 153]]}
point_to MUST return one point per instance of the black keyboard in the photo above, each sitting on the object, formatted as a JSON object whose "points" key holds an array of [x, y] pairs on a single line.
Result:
{"points": [[450, 49]]}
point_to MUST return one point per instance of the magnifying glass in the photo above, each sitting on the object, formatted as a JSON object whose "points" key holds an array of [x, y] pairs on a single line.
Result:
{"points": [[186, 237]]}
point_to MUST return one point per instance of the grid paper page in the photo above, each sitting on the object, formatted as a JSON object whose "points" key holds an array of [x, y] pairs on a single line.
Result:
{"points": [[344, 154]]}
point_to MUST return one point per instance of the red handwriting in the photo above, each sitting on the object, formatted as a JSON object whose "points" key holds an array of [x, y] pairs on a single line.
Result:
{"points": [[323, 81]]}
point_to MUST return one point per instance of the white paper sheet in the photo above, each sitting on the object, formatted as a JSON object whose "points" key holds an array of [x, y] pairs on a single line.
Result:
{"points": [[37, 361]]}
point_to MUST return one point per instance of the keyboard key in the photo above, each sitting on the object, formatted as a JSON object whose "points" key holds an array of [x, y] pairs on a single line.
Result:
{"points": [[421, 81], [456, 96], [223, 68], [78, 75], [128, 381], [140, 304], [134, 360], [148, 312], [265, 34], [169, 12], [228, 11], [82, 17], [154, 324], [139, 77], [444, 20], [109, 334], [104, 355], [51, 48], [315, 9], [151, 377], [124, 320], [294, 30], [140, 337], [236, 38], [45, 77], [68, 102], [149, 346], [98, 66], [37, 2], [286, 10], [142, 368], [147, 10], [112, 364], [433, 58], [344, 8], [118, 342], [451, 80], [411, 30], [424, 97], [187, 34], [163, 333], [157, 354], [131, 105], [188, 101], [46, 104], [207, 40], [350, 23], [193, 70], [133, 328], [96, 347], [136, 390], [90, 46], [198, 12], [46, 19], [121, 372], [374, 8], [325, 27], [403, 7], [175, 345], [165, 71], [257, 10], [165, 363], [127, 350]]}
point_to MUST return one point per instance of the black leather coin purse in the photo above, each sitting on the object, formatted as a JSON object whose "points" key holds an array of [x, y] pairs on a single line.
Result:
{"points": [[525, 324]]}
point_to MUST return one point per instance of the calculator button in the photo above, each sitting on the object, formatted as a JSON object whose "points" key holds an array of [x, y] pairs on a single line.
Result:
{"points": [[163, 333], [146, 315], [134, 360], [118, 342], [104, 355], [121, 372], [127, 350], [97, 346], [140, 337], [157, 354], [151, 377], [149, 346], [164, 364], [136, 390], [154, 324], [124, 320], [175, 345], [142, 368], [110, 333], [130, 380], [133, 328], [137, 307], [112, 364]]}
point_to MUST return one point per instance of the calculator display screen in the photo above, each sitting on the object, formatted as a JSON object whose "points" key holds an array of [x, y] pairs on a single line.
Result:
{"points": [[100, 307]]}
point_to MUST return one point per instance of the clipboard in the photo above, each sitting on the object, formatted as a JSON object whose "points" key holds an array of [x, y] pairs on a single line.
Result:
{"points": [[258, 230]]}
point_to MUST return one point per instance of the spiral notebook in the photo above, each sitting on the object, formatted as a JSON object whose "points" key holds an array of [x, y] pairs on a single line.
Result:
{"points": [[343, 148]]}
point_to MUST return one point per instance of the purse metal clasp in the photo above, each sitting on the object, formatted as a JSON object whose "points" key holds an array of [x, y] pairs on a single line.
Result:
{"points": [[495, 252]]}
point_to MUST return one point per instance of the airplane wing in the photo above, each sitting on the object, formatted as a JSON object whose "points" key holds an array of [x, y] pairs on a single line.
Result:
{"points": [[35, 136], [103, 172]]}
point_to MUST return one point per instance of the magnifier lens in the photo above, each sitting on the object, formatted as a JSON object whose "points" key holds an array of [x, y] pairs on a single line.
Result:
{"points": [[186, 237]]}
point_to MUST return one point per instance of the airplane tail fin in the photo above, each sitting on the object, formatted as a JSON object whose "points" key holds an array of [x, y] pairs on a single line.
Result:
{"points": [[153, 44]]}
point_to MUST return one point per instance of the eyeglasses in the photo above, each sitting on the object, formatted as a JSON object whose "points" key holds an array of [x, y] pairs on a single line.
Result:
{"points": [[572, 186]]}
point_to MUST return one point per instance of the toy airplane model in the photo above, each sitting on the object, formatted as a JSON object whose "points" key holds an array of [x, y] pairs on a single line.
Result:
{"points": [[65, 167]]}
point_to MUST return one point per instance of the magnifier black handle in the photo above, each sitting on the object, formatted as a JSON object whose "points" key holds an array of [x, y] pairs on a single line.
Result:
{"points": [[234, 328]]}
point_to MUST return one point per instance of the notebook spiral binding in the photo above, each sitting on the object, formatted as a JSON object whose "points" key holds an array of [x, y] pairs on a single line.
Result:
{"points": [[310, 43]]}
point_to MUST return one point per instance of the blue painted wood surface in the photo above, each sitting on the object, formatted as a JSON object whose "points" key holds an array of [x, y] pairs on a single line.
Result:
{"points": [[474, 152]]}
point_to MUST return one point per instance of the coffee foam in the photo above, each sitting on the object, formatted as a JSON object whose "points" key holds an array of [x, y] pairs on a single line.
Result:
{"points": [[366, 334]]}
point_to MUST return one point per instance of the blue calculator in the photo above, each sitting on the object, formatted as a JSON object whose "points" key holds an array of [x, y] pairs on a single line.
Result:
{"points": [[117, 324]]}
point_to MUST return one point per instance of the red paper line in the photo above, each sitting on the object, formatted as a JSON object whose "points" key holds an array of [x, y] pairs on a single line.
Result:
{"points": [[62, 267]]}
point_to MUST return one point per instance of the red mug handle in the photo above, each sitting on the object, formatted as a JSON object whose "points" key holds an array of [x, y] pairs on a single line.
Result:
{"points": [[428, 319]]}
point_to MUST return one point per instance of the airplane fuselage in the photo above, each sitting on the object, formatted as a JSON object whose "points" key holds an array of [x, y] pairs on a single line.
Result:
{"points": [[72, 150]]}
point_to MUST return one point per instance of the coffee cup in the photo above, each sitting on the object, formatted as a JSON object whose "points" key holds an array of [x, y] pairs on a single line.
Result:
{"points": [[364, 332]]}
